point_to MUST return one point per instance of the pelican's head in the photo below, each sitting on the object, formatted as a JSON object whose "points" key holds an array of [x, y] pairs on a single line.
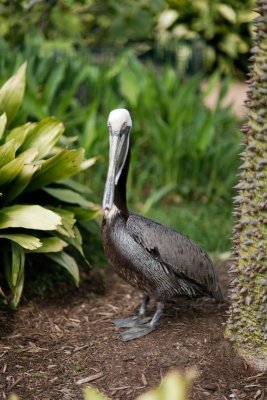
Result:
{"points": [[119, 125]]}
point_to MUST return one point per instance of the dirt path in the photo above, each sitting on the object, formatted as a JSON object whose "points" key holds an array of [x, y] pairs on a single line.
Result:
{"points": [[49, 347]]}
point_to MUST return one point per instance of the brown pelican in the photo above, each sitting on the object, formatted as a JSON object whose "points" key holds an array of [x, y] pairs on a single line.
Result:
{"points": [[152, 257]]}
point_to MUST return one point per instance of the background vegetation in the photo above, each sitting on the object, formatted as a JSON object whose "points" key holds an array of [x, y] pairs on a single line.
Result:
{"points": [[87, 57]]}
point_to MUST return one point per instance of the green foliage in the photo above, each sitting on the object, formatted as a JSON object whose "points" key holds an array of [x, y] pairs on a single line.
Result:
{"points": [[213, 33], [33, 165], [200, 32], [186, 141]]}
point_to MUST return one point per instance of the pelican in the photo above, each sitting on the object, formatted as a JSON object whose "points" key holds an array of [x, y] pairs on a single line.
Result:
{"points": [[154, 258]]}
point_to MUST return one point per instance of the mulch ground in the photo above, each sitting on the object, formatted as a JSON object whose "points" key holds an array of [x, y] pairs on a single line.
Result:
{"points": [[52, 348]]}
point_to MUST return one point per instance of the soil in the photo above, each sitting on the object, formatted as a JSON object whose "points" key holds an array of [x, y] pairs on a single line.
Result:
{"points": [[51, 348]]}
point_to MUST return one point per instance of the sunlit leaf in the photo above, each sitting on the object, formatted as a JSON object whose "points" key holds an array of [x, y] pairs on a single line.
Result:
{"points": [[227, 12], [26, 241], [67, 221], [20, 133], [90, 393], [9, 171], [7, 153], [61, 166], [44, 136], [67, 262], [29, 217], [12, 92], [50, 245], [19, 184], [3, 121]]}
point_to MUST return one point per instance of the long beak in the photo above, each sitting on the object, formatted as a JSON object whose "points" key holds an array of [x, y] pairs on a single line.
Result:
{"points": [[118, 148]]}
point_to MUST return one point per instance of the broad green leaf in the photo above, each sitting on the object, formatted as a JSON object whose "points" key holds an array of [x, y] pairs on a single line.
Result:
{"points": [[18, 185], [7, 152], [84, 214], [26, 241], [61, 166], [78, 187], [44, 136], [50, 245], [68, 196], [20, 133], [9, 171], [67, 221], [12, 92], [3, 121], [68, 262], [29, 217]]}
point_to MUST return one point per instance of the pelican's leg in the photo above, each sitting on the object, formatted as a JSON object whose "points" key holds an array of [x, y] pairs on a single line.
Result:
{"points": [[142, 330], [136, 320]]}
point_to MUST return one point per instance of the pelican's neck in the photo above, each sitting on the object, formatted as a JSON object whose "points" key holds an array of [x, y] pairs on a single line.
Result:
{"points": [[120, 200]]}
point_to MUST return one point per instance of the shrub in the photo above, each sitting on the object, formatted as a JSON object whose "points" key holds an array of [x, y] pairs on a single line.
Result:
{"points": [[39, 205]]}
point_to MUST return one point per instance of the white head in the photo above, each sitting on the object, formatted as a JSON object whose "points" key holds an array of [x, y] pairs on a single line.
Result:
{"points": [[119, 118]]}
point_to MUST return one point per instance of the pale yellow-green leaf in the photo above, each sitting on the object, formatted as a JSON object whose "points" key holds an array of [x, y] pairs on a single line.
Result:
{"points": [[3, 121], [29, 217], [28, 242], [7, 153], [68, 196], [13, 397], [50, 245], [18, 185], [174, 386], [67, 221], [61, 166], [12, 92], [227, 12], [20, 133], [89, 163], [90, 393], [67, 262], [9, 171], [44, 136]]}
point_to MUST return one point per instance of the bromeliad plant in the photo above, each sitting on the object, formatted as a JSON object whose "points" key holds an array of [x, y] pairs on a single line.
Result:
{"points": [[39, 204]]}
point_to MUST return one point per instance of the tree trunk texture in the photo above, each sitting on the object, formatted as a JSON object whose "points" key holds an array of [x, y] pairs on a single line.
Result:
{"points": [[247, 322]]}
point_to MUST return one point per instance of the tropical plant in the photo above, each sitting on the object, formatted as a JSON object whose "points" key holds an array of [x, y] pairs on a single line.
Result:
{"points": [[247, 322], [200, 33], [39, 203]]}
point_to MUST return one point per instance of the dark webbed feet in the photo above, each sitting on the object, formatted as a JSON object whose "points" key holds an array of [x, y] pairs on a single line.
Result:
{"points": [[130, 322], [140, 328]]}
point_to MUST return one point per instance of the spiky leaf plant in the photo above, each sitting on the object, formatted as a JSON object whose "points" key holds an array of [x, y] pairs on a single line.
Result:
{"points": [[247, 323], [39, 204]]}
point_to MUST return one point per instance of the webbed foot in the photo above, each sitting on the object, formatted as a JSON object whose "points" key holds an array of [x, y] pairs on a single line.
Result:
{"points": [[131, 321], [137, 332]]}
